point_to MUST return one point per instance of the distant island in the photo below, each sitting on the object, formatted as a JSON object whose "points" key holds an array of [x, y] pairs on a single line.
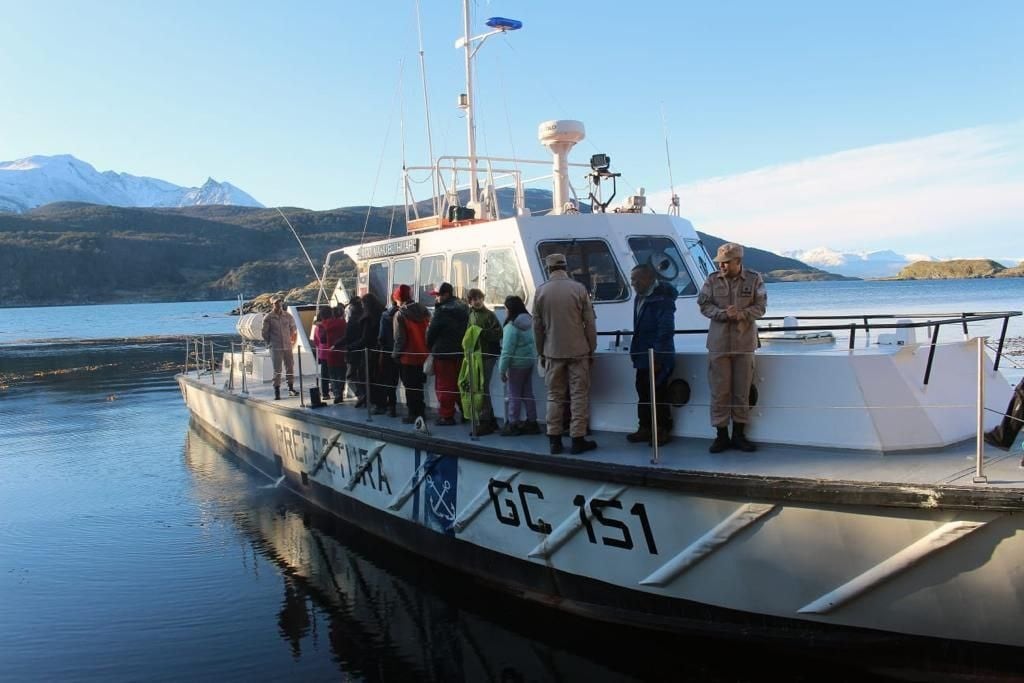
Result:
{"points": [[958, 269]]}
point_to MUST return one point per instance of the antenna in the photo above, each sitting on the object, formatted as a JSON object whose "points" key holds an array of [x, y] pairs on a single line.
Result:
{"points": [[465, 42], [673, 207], [303, 247], [426, 109]]}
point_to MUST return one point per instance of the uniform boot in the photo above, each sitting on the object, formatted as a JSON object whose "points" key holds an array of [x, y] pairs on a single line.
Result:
{"points": [[277, 393], [739, 439], [639, 436], [556, 443], [721, 442], [581, 445]]}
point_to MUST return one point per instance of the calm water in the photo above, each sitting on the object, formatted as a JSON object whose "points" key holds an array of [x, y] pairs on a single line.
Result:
{"points": [[133, 549]]}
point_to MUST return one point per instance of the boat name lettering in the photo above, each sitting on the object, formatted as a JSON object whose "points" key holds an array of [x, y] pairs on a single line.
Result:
{"points": [[410, 245], [512, 507], [304, 450]]}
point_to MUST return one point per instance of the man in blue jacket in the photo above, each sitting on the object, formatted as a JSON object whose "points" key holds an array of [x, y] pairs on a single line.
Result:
{"points": [[654, 317]]}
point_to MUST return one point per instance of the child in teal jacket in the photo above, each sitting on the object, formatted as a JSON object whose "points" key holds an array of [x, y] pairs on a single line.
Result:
{"points": [[518, 356]]}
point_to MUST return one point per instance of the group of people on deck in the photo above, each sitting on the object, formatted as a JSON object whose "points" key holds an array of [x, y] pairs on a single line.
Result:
{"points": [[462, 343]]}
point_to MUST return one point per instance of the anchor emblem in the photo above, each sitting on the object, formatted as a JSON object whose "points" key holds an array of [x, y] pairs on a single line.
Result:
{"points": [[439, 505]]}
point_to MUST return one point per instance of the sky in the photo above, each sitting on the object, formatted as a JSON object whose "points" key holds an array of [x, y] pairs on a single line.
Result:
{"points": [[789, 125]]}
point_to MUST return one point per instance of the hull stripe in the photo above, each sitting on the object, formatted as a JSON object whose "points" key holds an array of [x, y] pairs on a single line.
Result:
{"points": [[568, 528], [476, 506], [900, 562], [714, 539]]}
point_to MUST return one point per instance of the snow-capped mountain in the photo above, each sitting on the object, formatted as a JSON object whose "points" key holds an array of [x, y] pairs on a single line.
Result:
{"points": [[865, 264], [37, 180]]}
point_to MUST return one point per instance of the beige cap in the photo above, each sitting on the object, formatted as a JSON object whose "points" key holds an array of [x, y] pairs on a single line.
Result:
{"points": [[553, 260], [728, 252]]}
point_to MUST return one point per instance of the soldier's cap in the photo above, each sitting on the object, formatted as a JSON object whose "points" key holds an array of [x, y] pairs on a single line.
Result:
{"points": [[728, 252], [554, 260], [445, 288]]}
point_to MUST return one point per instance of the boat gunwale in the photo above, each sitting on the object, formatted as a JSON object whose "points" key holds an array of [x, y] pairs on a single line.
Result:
{"points": [[741, 487]]}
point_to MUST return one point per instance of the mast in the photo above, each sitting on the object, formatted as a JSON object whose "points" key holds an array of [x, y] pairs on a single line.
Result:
{"points": [[470, 125]]}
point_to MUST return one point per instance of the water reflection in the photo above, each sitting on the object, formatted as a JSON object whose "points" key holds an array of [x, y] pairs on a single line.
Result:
{"points": [[387, 617]]}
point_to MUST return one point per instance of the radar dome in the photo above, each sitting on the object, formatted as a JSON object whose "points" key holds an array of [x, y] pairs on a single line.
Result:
{"points": [[561, 131]]}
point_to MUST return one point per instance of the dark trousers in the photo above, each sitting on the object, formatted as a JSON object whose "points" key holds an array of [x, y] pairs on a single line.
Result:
{"points": [[337, 375], [388, 378], [325, 379], [413, 380], [643, 406], [356, 373]]}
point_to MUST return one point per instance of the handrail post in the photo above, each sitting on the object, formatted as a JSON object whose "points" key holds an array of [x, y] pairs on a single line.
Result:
{"points": [[231, 369], [366, 383], [187, 341], [302, 398], [853, 334], [654, 405], [245, 388], [213, 364], [931, 352], [195, 353], [1002, 338], [979, 463]]}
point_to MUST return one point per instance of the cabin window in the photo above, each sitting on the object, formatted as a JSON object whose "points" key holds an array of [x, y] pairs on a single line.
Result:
{"points": [[590, 262], [378, 285], [663, 255], [403, 272], [701, 257], [431, 277], [503, 277], [465, 272]]}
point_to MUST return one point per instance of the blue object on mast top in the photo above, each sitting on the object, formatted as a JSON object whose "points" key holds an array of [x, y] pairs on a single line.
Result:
{"points": [[503, 24]]}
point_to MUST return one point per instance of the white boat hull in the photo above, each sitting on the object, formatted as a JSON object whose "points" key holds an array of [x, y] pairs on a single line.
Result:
{"points": [[655, 547]]}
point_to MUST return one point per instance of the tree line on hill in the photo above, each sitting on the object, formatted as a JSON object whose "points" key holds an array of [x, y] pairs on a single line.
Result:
{"points": [[72, 253]]}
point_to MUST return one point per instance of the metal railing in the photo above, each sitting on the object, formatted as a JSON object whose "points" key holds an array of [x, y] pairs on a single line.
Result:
{"points": [[934, 322], [200, 354]]}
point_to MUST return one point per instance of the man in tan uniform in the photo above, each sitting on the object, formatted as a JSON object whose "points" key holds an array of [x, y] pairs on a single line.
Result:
{"points": [[279, 334], [734, 298], [566, 336]]}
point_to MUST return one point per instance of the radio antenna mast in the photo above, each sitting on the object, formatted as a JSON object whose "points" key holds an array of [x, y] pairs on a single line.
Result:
{"points": [[673, 207]]}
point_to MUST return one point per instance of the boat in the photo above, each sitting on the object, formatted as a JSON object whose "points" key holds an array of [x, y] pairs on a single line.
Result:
{"points": [[872, 512]]}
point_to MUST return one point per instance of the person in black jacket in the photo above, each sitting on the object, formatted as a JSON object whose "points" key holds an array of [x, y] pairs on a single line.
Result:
{"points": [[388, 366], [369, 329], [444, 340], [654, 317], [354, 351]]}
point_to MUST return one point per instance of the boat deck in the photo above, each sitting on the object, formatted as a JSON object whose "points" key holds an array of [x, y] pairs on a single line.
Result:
{"points": [[950, 466]]}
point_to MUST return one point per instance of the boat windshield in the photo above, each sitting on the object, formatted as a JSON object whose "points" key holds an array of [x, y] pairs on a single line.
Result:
{"points": [[663, 255], [590, 262], [701, 257]]}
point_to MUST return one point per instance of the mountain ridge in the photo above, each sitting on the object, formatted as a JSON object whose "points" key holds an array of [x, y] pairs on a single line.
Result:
{"points": [[74, 252], [39, 180]]}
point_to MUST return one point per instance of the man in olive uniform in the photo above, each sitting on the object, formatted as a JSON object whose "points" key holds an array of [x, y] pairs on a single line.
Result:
{"points": [[733, 299], [565, 333]]}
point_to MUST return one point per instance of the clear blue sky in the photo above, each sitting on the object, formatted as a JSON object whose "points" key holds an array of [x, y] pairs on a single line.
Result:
{"points": [[292, 102]]}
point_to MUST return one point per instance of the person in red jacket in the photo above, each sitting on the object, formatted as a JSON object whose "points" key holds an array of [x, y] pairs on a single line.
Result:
{"points": [[410, 327], [329, 331]]}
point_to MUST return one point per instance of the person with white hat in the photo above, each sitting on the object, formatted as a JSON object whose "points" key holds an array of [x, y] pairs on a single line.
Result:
{"points": [[733, 298], [566, 337]]}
